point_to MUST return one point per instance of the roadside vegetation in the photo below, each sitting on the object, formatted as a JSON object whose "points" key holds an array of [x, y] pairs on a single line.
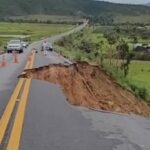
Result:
{"points": [[112, 47], [46, 19], [36, 31]]}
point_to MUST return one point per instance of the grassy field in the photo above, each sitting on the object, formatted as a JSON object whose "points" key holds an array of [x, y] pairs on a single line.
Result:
{"points": [[35, 30], [139, 74], [132, 19]]}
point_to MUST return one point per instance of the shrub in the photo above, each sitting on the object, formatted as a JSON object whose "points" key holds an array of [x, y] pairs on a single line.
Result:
{"points": [[142, 92], [141, 56], [87, 46], [139, 91], [78, 56], [133, 87]]}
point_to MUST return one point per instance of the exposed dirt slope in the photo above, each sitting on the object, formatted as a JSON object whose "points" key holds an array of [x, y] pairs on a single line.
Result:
{"points": [[90, 86]]}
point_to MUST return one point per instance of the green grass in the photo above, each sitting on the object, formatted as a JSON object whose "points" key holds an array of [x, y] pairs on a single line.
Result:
{"points": [[139, 74], [132, 19], [37, 31]]}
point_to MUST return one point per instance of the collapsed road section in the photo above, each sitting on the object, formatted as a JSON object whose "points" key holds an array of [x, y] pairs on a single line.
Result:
{"points": [[90, 86]]}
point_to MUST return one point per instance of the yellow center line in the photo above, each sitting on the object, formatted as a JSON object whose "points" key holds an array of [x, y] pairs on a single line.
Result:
{"points": [[16, 132], [11, 104], [9, 109], [18, 124]]}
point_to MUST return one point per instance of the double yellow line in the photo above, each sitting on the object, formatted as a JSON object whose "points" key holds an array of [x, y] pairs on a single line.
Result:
{"points": [[18, 124], [14, 140]]}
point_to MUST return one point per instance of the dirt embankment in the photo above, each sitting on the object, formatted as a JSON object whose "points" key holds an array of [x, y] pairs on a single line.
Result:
{"points": [[90, 86]]}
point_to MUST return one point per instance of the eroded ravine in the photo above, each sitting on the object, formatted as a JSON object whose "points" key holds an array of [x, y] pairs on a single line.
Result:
{"points": [[90, 86]]}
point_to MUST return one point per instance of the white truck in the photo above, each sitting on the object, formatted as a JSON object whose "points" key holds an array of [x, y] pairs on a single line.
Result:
{"points": [[14, 45]]}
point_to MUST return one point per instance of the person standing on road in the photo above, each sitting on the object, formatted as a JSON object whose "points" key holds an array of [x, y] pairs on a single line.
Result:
{"points": [[44, 47]]}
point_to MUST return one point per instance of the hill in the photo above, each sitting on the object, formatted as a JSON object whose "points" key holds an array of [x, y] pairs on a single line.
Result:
{"points": [[68, 7]]}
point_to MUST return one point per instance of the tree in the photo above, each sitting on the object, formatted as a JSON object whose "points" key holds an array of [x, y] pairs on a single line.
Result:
{"points": [[112, 39], [87, 45], [117, 29], [135, 39], [125, 55], [1, 43], [99, 47]]}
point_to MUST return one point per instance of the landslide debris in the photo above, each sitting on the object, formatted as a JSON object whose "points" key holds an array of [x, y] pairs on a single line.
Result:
{"points": [[90, 86]]}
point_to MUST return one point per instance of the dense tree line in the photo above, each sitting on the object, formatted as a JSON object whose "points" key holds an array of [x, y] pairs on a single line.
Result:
{"points": [[12, 20]]}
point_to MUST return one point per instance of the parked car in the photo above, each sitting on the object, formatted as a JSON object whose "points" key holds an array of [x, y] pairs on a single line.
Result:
{"points": [[46, 46], [25, 44], [14, 45]]}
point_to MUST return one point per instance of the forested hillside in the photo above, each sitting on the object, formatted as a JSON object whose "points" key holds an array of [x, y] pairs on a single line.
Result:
{"points": [[68, 7]]}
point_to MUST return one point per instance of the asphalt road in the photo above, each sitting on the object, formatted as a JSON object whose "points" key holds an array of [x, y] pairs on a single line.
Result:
{"points": [[51, 123], [8, 76]]}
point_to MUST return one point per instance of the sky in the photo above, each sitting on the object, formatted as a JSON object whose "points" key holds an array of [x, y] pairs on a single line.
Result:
{"points": [[129, 1]]}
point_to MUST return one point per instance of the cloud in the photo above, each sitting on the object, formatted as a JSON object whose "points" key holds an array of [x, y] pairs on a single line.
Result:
{"points": [[129, 1]]}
